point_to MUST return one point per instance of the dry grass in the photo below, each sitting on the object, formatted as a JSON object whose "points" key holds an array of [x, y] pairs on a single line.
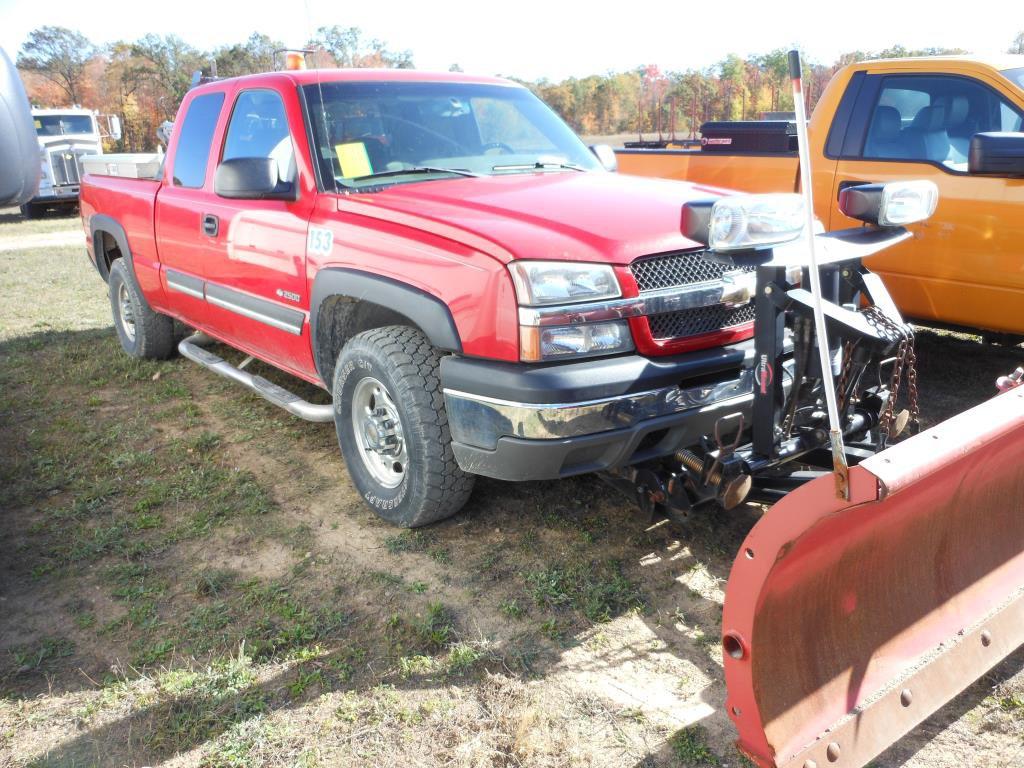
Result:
{"points": [[189, 579], [12, 223]]}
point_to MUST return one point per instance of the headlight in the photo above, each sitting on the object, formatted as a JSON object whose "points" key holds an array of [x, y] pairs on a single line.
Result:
{"points": [[890, 205], [567, 341], [752, 221], [541, 283]]}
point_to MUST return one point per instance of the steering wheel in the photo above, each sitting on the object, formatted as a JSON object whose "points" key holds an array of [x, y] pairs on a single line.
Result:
{"points": [[505, 148]]}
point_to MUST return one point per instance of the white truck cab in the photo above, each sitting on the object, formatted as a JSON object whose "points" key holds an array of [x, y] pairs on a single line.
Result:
{"points": [[65, 136]]}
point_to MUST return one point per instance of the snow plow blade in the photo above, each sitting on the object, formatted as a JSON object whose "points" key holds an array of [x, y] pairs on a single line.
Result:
{"points": [[847, 623]]}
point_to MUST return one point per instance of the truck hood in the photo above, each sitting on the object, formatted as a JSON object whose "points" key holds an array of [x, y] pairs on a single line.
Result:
{"points": [[567, 215]]}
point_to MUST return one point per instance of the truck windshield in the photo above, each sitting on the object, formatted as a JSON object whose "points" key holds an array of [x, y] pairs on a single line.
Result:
{"points": [[366, 134], [1015, 75], [60, 125]]}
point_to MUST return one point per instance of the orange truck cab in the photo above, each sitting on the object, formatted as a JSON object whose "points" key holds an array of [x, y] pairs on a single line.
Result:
{"points": [[883, 120]]}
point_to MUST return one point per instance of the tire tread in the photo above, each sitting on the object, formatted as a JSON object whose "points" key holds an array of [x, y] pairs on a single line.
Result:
{"points": [[416, 365]]}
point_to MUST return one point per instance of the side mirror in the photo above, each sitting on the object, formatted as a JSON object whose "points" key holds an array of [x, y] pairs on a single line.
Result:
{"points": [[251, 178], [19, 146], [115, 127], [606, 156], [997, 153]]}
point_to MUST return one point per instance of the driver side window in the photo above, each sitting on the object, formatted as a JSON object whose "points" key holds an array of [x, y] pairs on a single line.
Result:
{"points": [[259, 128], [932, 119]]}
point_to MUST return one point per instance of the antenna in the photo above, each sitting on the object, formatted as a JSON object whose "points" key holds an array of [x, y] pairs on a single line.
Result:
{"points": [[839, 465]]}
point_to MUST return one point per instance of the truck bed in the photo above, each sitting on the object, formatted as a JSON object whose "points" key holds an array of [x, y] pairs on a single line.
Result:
{"points": [[776, 171], [131, 203]]}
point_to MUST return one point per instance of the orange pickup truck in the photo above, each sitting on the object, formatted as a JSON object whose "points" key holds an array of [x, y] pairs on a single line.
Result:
{"points": [[954, 120]]}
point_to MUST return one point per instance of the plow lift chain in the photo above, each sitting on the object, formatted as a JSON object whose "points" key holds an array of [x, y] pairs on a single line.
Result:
{"points": [[904, 363]]}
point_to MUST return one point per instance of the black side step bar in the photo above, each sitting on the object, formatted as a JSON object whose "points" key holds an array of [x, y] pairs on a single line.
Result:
{"points": [[192, 348]]}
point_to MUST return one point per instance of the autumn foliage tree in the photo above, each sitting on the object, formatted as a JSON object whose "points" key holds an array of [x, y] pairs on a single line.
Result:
{"points": [[143, 81], [59, 56]]}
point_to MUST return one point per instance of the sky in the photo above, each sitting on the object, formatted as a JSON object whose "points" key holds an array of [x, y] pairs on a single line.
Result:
{"points": [[553, 39]]}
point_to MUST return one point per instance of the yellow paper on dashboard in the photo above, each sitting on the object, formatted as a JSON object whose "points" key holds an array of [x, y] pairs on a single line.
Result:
{"points": [[353, 159]]}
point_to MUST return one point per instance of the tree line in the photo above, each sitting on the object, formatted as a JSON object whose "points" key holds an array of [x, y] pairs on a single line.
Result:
{"points": [[143, 81]]}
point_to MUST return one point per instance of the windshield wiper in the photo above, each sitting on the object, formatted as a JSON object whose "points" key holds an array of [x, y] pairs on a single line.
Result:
{"points": [[415, 170], [539, 165]]}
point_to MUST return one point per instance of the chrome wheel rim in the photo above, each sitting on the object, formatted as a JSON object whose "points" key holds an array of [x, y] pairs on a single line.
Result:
{"points": [[378, 432], [127, 311]]}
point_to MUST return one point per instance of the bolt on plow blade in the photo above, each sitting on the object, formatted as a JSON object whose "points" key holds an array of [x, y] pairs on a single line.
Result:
{"points": [[847, 623]]}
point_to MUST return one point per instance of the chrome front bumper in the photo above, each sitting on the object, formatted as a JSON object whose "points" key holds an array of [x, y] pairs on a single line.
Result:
{"points": [[480, 421]]}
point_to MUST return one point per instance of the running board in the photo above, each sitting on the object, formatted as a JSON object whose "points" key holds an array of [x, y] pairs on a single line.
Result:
{"points": [[279, 396]]}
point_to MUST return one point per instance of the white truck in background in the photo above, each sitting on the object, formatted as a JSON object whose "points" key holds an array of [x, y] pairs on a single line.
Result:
{"points": [[66, 135]]}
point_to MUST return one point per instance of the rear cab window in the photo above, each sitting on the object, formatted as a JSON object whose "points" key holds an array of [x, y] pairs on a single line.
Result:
{"points": [[1015, 76], [192, 152]]}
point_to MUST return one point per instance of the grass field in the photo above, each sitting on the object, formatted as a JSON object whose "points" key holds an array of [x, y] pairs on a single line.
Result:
{"points": [[188, 578]]}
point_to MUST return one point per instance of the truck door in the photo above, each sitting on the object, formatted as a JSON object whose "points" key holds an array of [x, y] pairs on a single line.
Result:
{"points": [[179, 205], [255, 270], [963, 266]]}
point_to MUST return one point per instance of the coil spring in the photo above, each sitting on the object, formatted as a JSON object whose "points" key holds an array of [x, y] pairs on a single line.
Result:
{"points": [[695, 464]]}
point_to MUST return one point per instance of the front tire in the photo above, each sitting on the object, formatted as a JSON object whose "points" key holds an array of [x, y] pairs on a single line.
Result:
{"points": [[393, 428], [142, 332]]}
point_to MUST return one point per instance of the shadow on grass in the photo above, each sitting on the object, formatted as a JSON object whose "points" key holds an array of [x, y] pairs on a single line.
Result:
{"points": [[14, 216]]}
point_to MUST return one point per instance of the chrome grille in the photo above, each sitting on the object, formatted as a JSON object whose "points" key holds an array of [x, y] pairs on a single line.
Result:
{"points": [[64, 163], [674, 269], [694, 322]]}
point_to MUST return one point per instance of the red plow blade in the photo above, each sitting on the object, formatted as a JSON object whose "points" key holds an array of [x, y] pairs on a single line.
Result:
{"points": [[847, 623]]}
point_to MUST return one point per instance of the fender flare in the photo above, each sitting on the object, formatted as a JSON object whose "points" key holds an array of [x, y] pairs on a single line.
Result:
{"points": [[102, 223], [422, 309]]}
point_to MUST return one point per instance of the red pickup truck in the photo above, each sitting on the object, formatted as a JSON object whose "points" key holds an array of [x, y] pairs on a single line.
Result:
{"points": [[481, 296], [445, 256]]}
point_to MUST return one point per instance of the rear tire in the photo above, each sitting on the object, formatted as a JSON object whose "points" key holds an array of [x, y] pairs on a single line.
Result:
{"points": [[393, 428], [142, 332], [30, 211]]}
